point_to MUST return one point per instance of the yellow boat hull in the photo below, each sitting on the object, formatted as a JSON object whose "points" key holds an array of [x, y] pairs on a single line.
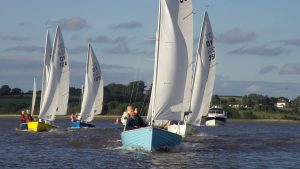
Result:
{"points": [[39, 126]]}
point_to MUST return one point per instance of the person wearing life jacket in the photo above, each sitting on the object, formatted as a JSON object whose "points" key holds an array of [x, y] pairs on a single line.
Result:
{"points": [[28, 116], [134, 121], [22, 117], [73, 117]]}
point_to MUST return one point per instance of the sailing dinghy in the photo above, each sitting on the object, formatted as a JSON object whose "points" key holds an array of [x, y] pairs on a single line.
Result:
{"points": [[56, 91], [202, 84], [24, 126], [93, 92], [170, 75]]}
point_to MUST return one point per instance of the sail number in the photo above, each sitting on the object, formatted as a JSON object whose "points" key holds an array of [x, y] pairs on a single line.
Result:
{"points": [[181, 1], [211, 54], [62, 61], [210, 46], [96, 73]]}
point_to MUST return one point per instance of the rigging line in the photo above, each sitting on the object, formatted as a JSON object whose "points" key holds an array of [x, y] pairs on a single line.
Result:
{"points": [[144, 101]]}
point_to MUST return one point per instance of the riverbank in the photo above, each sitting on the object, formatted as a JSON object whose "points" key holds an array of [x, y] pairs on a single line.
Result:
{"points": [[113, 117], [108, 117], [264, 120]]}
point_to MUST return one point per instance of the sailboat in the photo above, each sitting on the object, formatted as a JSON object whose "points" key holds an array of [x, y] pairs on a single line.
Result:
{"points": [[24, 126], [170, 75], [202, 82], [56, 94], [93, 92]]}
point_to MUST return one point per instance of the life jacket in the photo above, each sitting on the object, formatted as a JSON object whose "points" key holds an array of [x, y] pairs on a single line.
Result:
{"points": [[23, 118]]}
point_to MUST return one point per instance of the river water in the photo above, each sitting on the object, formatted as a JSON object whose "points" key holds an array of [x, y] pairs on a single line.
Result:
{"points": [[235, 145]]}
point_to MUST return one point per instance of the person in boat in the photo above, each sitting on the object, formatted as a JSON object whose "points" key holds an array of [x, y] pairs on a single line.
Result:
{"points": [[134, 121], [22, 117], [73, 117], [29, 118], [125, 115]]}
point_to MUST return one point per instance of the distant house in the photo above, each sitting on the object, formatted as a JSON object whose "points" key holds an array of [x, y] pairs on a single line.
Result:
{"points": [[282, 102]]}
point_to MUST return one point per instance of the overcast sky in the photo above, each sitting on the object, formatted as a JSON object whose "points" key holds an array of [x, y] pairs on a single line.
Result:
{"points": [[257, 41]]}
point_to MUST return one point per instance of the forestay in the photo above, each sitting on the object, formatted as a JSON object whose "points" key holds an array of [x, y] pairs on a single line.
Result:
{"points": [[204, 74], [93, 91], [33, 96]]}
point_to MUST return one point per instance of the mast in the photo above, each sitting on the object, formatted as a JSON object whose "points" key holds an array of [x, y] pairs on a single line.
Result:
{"points": [[153, 96]]}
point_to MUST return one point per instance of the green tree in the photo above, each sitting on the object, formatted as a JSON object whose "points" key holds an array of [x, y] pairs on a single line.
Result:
{"points": [[16, 91], [215, 100], [5, 90]]}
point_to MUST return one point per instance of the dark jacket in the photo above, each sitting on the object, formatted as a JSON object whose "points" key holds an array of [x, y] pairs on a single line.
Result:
{"points": [[135, 122]]}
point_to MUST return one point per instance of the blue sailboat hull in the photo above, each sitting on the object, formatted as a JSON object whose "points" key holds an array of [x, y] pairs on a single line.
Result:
{"points": [[149, 139], [79, 124]]}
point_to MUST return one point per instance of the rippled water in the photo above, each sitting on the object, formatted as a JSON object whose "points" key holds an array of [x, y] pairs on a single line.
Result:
{"points": [[235, 145]]}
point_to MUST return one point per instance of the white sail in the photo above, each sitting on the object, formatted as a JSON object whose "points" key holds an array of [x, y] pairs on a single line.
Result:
{"points": [[46, 67], [57, 90], [204, 75], [93, 91], [171, 60], [33, 96], [186, 25]]}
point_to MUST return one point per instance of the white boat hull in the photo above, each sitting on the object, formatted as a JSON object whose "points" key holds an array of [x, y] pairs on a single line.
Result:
{"points": [[214, 122], [183, 130]]}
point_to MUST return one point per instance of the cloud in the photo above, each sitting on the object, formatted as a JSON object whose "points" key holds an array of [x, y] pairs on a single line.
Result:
{"points": [[127, 25], [19, 72], [70, 24], [292, 42], [240, 88], [268, 69], [106, 40], [290, 69], [122, 48], [78, 50], [261, 50], [25, 49], [236, 36], [14, 38], [253, 89], [75, 37]]}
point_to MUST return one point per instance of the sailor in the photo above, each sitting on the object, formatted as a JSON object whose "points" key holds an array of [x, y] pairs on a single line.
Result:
{"points": [[134, 121], [125, 115], [22, 117], [73, 117], [28, 116]]}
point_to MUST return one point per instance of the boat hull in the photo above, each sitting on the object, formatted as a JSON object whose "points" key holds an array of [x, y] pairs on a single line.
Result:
{"points": [[79, 124], [215, 121], [149, 139], [23, 126], [39, 126], [183, 129]]}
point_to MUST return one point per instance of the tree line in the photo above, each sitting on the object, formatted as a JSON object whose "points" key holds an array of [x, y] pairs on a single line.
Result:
{"points": [[116, 98]]}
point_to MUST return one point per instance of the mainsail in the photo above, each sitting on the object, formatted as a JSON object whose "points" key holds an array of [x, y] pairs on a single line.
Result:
{"points": [[93, 91], [171, 60], [33, 96], [204, 74], [46, 67], [57, 90]]}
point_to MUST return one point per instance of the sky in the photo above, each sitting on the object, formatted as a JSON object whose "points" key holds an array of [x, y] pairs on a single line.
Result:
{"points": [[257, 42]]}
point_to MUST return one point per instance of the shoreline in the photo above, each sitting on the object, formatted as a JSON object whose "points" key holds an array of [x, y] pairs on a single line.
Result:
{"points": [[113, 117]]}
